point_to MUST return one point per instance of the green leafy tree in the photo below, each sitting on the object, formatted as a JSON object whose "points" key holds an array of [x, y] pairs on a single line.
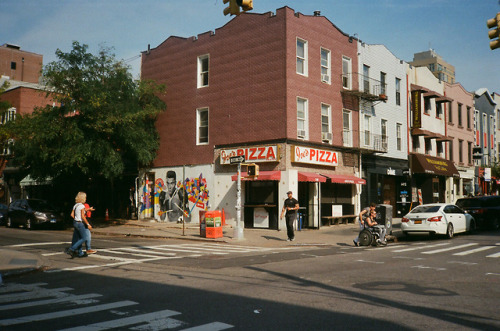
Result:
{"points": [[102, 126]]}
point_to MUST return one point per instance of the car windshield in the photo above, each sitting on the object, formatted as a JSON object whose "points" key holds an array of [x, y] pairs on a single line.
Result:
{"points": [[425, 209], [40, 205], [469, 203]]}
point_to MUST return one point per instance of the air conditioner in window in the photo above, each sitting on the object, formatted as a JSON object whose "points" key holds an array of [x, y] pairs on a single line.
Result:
{"points": [[325, 78], [326, 136], [301, 133]]}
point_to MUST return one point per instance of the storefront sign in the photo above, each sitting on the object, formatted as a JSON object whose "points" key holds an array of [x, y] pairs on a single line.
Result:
{"points": [[391, 172], [314, 156], [416, 109], [487, 174], [251, 154]]}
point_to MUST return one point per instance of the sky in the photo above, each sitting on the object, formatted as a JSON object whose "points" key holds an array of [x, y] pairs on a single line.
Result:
{"points": [[455, 29]]}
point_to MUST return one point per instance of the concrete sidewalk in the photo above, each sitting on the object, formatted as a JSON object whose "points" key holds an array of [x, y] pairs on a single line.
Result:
{"points": [[15, 262]]}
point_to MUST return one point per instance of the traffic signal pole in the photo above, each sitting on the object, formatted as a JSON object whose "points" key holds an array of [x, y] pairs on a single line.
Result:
{"points": [[238, 229]]}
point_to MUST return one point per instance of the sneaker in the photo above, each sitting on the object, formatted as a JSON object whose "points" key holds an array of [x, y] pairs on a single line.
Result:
{"points": [[83, 255], [355, 243], [91, 251], [289, 239], [292, 239]]}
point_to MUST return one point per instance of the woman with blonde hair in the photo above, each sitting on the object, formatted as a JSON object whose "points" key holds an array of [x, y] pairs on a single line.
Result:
{"points": [[79, 222]]}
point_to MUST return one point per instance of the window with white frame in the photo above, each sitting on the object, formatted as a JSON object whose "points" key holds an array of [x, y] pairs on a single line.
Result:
{"points": [[346, 127], [399, 127], [325, 66], [366, 78], [202, 126], [382, 82], [398, 92], [301, 57], [326, 123], [367, 125], [302, 118], [383, 131], [346, 72], [9, 115], [203, 66]]}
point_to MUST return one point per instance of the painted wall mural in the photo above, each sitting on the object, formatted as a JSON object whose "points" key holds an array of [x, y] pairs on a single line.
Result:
{"points": [[168, 196]]}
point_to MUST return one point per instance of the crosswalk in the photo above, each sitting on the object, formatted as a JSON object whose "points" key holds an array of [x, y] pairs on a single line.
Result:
{"points": [[449, 247], [18, 300], [118, 256]]}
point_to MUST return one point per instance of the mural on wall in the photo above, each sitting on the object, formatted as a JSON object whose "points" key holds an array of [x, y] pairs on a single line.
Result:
{"points": [[168, 196], [145, 202]]}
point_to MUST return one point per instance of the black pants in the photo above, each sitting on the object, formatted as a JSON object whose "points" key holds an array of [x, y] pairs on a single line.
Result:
{"points": [[290, 219]]}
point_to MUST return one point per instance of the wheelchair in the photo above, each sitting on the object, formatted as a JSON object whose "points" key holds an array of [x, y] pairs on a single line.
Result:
{"points": [[368, 236]]}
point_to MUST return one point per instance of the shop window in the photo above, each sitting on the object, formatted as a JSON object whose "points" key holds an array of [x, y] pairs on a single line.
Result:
{"points": [[260, 192]]}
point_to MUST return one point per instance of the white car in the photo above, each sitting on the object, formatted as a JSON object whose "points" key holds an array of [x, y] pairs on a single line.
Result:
{"points": [[438, 218]]}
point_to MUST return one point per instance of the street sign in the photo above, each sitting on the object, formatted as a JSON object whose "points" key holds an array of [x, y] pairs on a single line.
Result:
{"points": [[237, 159]]}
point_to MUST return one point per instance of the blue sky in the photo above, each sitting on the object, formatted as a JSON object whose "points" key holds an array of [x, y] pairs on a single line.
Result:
{"points": [[455, 29]]}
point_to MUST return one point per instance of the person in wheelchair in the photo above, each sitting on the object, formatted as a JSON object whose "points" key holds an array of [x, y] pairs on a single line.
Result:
{"points": [[380, 229]]}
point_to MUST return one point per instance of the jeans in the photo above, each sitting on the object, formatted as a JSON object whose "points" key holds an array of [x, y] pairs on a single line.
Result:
{"points": [[381, 230], [290, 219], [79, 237], [361, 227]]}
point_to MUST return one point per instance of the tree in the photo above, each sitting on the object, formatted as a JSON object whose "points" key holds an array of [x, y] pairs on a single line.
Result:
{"points": [[102, 126]]}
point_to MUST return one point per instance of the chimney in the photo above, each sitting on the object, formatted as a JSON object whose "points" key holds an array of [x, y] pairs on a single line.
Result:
{"points": [[317, 13]]}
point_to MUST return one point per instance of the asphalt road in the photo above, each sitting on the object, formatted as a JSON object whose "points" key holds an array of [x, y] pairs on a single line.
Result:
{"points": [[416, 284]]}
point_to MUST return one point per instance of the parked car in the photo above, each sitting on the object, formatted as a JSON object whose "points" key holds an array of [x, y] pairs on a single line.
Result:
{"points": [[33, 212], [438, 218], [484, 209], [3, 213]]}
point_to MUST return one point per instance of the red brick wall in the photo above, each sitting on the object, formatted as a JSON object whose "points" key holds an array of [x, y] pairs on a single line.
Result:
{"points": [[253, 85], [29, 72], [26, 99]]}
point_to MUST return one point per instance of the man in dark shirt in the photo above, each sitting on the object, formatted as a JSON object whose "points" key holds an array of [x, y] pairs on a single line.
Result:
{"points": [[290, 206]]}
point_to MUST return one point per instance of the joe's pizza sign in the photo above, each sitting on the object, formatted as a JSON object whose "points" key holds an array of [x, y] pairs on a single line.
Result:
{"points": [[314, 156], [252, 154]]}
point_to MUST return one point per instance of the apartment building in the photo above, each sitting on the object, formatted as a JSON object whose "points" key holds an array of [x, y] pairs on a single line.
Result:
{"points": [[20, 65], [441, 69]]}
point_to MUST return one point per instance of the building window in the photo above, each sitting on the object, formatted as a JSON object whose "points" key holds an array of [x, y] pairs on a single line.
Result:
{"points": [[382, 83], [398, 92], [302, 57], [202, 126], [203, 70], [415, 143], [301, 118], [469, 152], [9, 115], [428, 146], [427, 106], [468, 118], [325, 66], [450, 112], [346, 72], [450, 147], [459, 114], [399, 126], [460, 151], [383, 131], [346, 126], [439, 110], [367, 127], [326, 128], [439, 149], [13, 65], [366, 78]]}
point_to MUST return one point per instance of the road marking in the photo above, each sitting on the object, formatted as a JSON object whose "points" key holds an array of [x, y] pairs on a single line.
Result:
{"points": [[36, 293], [65, 313], [425, 267], [472, 251], [77, 299], [374, 262], [159, 319], [449, 248], [215, 326], [492, 274], [41, 244], [494, 255], [20, 287], [420, 247], [461, 262], [409, 258]]}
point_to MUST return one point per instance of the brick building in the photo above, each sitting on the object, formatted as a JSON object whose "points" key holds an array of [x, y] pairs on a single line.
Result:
{"points": [[277, 88], [20, 65]]}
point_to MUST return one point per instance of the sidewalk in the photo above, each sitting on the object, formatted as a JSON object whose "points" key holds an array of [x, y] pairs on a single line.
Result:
{"points": [[13, 262]]}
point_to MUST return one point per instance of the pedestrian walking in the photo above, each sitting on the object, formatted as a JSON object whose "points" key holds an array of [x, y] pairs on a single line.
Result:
{"points": [[88, 238], [366, 212], [79, 230], [290, 207]]}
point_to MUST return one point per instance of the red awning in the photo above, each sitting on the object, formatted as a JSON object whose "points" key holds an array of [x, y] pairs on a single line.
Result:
{"points": [[263, 175], [311, 177], [346, 179]]}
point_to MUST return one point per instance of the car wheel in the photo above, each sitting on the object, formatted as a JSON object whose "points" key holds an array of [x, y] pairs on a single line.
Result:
{"points": [[473, 226], [8, 223], [28, 225], [449, 231]]}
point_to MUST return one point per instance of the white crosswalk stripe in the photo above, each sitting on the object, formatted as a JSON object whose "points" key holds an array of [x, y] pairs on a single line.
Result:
{"points": [[466, 249], [57, 298]]}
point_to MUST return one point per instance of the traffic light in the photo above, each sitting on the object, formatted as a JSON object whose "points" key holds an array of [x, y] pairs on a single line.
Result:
{"points": [[245, 4], [477, 153], [252, 170], [233, 8], [495, 33]]}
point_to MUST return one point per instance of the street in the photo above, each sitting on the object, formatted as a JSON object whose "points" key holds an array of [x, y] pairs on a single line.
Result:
{"points": [[148, 284]]}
